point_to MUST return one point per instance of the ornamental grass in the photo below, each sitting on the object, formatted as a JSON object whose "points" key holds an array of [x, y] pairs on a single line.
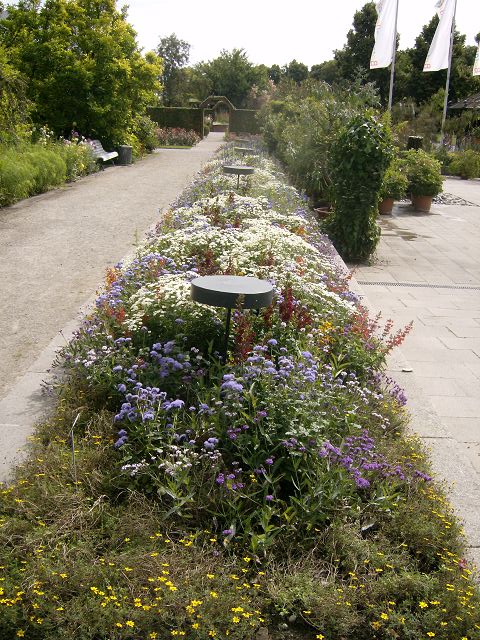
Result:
{"points": [[276, 496]]}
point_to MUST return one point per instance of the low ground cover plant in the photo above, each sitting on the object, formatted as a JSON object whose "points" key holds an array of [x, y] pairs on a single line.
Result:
{"points": [[273, 496], [176, 137], [29, 169]]}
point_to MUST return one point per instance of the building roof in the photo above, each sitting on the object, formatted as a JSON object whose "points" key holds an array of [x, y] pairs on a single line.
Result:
{"points": [[472, 102]]}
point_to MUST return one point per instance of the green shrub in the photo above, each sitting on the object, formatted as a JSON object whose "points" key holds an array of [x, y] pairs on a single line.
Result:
{"points": [[445, 158], [466, 164], [394, 183], [360, 157], [78, 158], [423, 172], [145, 131], [15, 177], [48, 169]]}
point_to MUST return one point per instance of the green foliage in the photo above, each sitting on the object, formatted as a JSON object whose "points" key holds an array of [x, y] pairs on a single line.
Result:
{"points": [[297, 71], [13, 103], [465, 164], [178, 117], [353, 60], [83, 66], [16, 178], [145, 132], [325, 71], [300, 129], [394, 183], [30, 169], [48, 169], [174, 54], [233, 75], [423, 172], [78, 158], [360, 156], [243, 120]]}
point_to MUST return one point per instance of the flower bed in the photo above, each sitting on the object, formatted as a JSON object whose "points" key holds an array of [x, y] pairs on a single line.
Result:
{"points": [[176, 137], [273, 496]]}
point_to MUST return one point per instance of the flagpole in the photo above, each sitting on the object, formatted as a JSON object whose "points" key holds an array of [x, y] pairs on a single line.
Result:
{"points": [[394, 52], [447, 84]]}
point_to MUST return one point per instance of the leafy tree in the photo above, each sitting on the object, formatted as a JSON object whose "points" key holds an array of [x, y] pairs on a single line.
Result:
{"points": [[233, 75], [355, 56], [275, 73], [175, 54], [13, 106], [297, 71], [83, 65], [326, 71], [421, 86]]}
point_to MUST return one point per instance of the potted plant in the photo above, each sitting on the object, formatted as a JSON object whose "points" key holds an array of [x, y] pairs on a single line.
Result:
{"points": [[424, 178], [394, 187]]}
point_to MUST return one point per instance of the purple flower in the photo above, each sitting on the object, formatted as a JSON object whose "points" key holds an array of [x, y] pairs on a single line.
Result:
{"points": [[227, 532], [362, 483], [269, 498], [232, 385], [122, 388], [269, 461], [120, 442], [210, 444], [175, 404]]}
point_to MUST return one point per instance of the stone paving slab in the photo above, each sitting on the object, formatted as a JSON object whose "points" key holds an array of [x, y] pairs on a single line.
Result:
{"points": [[54, 250], [443, 349]]}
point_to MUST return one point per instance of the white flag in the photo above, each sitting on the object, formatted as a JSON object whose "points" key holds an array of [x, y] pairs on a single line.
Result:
{"points": [[384, 34], [476, 64], [438, 53]]}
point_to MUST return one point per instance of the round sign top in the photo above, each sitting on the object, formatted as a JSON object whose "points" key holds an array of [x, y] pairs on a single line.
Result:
{"points": [[240, 170], [225, 291]]}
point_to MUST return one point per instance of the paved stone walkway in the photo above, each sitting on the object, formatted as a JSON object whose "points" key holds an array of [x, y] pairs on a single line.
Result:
{"points": [[428, 271], [54, 250]]}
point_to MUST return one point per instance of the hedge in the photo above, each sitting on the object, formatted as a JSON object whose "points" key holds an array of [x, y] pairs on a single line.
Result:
{"points": [[178, 117], [244, 121]]}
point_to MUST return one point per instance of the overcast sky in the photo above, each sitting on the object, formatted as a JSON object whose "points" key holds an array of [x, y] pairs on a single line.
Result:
{"points": [[276, 31]]}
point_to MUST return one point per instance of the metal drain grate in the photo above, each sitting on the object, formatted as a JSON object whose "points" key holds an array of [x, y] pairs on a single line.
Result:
{"points": [[425, 285]]}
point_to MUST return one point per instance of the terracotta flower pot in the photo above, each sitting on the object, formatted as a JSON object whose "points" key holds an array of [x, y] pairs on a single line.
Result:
{"points": [[385, 206], [422, 203]]}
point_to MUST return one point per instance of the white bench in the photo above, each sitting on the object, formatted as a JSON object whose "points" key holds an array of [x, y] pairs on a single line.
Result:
{"points": [[100, 153]]}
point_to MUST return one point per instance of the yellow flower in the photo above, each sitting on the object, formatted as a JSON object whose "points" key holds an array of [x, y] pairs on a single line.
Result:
{"points": [[212, 634], [422, 605], [153, 635], [430, 634], [130, 623], [20, 633], [236, 619], [384, 616], [319, 636], [210, 576], [214, 594], [195, 625]]}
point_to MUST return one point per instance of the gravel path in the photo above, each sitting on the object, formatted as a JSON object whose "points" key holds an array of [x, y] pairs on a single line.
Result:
{"points": [[54, 248]]}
